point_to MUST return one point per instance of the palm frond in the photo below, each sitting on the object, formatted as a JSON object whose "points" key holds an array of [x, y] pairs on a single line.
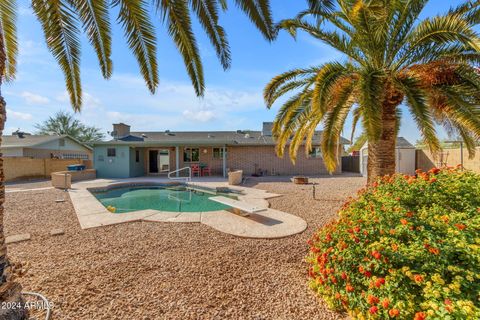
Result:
{"points": [[270, 93], [417, 102], [325, 80], [437, 31], [60, 27], [8, 25], [333, 125], [339, 41], [260, 14], [140, 35], [284, 124], [207, 13], [177, 19], [370, 85], [96, 24]]}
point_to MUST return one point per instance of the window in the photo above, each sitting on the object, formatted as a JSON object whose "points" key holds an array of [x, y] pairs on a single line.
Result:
{"points": [[111, 152], [137, 155], [191, 154], [218, 153], [315, 153], [61, 142]]}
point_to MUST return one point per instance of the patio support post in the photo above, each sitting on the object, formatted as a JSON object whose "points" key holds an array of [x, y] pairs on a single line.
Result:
{"points": [[177, 160], [224, 161]]}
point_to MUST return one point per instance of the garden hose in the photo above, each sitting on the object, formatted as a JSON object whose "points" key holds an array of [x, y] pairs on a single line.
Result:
{"points": [[47, 304]]}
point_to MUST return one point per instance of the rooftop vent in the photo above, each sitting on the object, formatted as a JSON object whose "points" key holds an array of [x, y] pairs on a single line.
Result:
{"points": [[20, 134], [144, 135], [168, 133], [210, 136], [247, 135]]}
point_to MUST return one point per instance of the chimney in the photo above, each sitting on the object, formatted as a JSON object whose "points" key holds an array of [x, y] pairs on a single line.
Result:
{"points": [[267, 129], [120, 130]]}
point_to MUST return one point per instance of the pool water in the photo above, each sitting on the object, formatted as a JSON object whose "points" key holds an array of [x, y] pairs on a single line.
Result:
{"points": [[162, 198]]}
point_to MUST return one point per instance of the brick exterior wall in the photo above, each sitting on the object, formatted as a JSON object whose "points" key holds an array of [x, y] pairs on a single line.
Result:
{"points": [[249, 159], [264, 158]]}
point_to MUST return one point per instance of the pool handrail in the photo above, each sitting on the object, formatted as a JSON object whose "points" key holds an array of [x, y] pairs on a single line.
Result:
{"points": [[187, 178]]}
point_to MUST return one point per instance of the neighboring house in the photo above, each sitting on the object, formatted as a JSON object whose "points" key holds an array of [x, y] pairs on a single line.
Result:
{"points": [[132, 154], [404, 157], [22, 144]]}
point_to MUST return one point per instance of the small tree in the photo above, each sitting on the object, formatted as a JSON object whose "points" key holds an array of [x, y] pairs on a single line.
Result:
{"points": [[64, 123]]}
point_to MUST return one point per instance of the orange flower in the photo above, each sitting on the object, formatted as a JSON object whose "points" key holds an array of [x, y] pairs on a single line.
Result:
{"points": [[376, 255], [338, 295], [392, 231], [373, 310], [434, 250], [372, 299], [393, 313], [349, 288], [394, 247], [409, 214], [344, 275], [379, 282], [404, 221], [385, 303], [418, 278], [460, 226], [420, 316]]}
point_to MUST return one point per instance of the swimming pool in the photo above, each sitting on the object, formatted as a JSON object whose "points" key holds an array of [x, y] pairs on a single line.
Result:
{"points": [[162, 198]]}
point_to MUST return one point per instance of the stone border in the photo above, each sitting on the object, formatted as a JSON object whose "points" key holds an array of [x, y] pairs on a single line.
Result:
{"points": [[265, 224]]}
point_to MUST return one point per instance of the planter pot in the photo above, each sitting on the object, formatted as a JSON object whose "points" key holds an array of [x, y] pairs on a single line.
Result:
{"points": [[300, 180]]}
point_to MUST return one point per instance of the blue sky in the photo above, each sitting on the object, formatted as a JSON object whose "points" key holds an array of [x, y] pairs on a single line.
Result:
{"points": [[233, 99]]}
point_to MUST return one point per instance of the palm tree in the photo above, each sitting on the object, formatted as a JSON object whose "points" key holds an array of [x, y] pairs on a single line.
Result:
{"points": [[388, 57], [62, 22]]}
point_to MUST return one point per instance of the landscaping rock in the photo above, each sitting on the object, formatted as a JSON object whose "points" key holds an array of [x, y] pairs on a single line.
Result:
{"points": [[57, 232], [17, 238]]}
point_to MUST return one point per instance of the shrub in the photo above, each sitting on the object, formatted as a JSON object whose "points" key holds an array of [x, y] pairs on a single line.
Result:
{"points": [[407, 247]]}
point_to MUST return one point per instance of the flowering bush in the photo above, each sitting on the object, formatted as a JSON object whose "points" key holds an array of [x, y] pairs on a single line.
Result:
{"points": [[408, 248]]}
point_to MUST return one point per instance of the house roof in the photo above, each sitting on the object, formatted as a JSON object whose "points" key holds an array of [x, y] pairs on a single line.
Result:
{"points": [[401, 143], [28, 141], [190, 138]]}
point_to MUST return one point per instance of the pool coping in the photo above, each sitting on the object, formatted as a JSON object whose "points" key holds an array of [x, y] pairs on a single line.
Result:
{"points": [[269, 223]]}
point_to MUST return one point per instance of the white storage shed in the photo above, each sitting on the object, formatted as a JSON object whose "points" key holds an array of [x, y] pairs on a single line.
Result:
{"points": [[404, 157]]}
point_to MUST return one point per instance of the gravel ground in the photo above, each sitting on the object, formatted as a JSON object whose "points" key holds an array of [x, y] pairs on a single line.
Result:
{"points": [[171, 270], [39, 183]]}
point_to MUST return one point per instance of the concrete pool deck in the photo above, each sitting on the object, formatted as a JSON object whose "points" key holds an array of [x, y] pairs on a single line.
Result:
{"points": [[266, 224]]}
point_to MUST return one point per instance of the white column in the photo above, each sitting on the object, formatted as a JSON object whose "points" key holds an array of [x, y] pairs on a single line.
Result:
{"points": [[177, 160], [224, 162]]}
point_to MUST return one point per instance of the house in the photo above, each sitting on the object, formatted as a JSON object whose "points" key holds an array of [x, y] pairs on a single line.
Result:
{"points": [[132, 154], [21, 144], [404, 157]]}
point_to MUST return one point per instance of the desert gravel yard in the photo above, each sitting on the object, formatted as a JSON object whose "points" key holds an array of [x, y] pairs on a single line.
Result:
{"points": [[151, 270]]}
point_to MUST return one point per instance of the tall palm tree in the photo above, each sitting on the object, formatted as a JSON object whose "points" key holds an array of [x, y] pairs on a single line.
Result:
{"points": [[62, 22], [388, 56]]}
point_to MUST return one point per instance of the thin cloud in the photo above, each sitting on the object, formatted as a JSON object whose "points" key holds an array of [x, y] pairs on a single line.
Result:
{"points": [[19, 115], [200, 115], [32, 98]]}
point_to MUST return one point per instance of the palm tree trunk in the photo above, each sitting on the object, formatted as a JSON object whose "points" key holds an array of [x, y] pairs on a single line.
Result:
{"points": [[381, 153], [11, 300]]}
